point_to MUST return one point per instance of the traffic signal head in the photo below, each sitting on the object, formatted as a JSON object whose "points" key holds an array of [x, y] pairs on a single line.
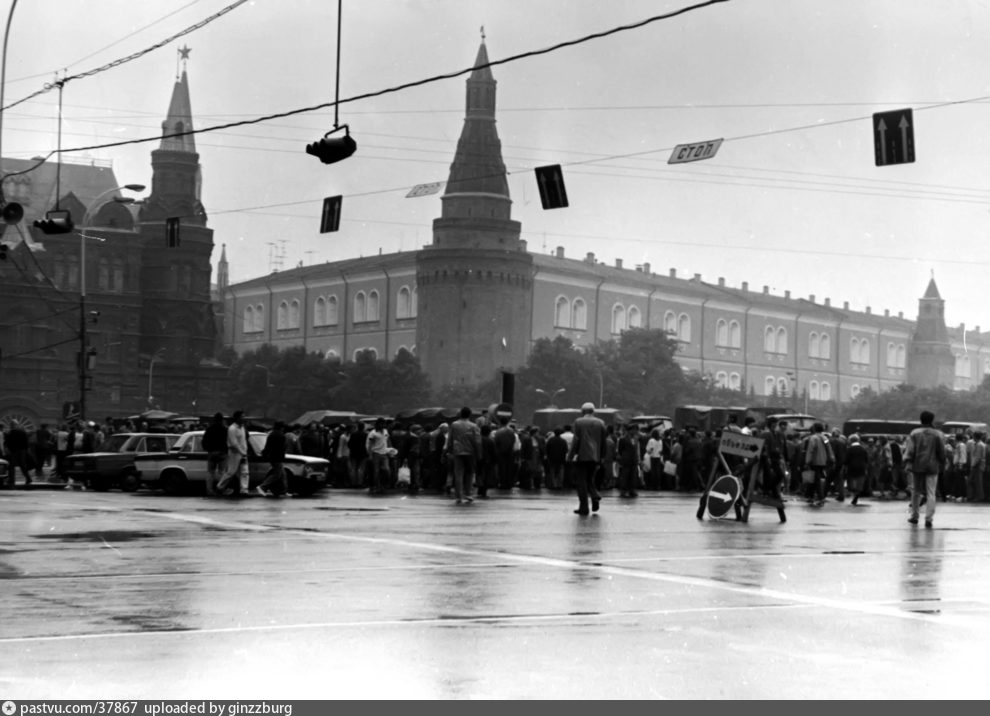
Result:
{"points": [[56, 222], [12, 212], [330, 150], [3, 252]]}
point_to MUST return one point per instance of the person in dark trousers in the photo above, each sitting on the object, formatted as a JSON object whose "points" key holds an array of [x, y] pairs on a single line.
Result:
{"points": [[857, 460], [587, 453], [274, 452], [487, 464], [215, 445], [924, 457], [627, 456], [505, 455], [556, 457], [16, 445]]}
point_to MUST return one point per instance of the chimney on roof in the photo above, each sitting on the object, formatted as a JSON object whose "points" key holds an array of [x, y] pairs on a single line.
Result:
{"points": [[886, 313], [639, 267], [828, 301], [646, 268], [845, 305], [590, 258], [618, 263], [721, 282], [560, 252], [787, 294], [976, 328], [673, 273], [766, 290], [811, 298], [868, 311], [523, 245], [697, 277], [745, 286], [900, 314]]}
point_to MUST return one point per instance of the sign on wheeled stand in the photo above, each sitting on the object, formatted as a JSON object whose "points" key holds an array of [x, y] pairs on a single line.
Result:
{"points": [[732, 482]]}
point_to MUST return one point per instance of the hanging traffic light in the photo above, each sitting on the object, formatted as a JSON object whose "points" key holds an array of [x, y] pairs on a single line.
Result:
{"points": [[56, 222], [3, 252], [333, 150]]}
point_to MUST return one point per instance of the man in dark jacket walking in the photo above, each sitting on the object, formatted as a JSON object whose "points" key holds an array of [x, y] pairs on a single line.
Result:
{"points": [[274, 453], [215, 445], [587, 453]]}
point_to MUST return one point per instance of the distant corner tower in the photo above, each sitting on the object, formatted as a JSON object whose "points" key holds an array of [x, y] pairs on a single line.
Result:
{"points": [[931, 362], [176, 321], [475, 280]]}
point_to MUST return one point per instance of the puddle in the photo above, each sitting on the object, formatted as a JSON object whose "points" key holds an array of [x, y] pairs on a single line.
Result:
{"points": [[103, 536]]}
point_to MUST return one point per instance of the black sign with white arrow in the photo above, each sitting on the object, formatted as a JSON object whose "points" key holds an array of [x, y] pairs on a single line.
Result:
{"points": [[550, 179], [893, 137], [722, 495]]}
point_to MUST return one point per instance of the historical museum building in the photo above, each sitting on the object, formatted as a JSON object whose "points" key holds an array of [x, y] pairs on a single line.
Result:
{"points": [[474, 301], [113, 290]]}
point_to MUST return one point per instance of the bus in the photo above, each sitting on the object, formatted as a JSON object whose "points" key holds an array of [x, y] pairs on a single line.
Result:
{"points": [[870, 427]]}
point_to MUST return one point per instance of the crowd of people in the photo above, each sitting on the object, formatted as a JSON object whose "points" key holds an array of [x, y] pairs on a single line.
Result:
{"points": [[475, 454]]}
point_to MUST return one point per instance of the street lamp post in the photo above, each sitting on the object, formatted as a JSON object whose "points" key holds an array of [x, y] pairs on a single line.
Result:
{"points": [[83, 316], [551, 396], [156, 357]]}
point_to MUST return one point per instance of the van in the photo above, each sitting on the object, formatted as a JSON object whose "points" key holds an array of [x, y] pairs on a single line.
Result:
{"points": [[951, 427]]}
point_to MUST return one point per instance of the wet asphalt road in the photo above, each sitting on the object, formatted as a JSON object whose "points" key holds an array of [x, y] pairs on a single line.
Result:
{"points": [[113, 595]]}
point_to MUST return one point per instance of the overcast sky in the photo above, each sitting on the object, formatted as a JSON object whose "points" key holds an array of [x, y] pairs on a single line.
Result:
{"points": [[792, 200]]}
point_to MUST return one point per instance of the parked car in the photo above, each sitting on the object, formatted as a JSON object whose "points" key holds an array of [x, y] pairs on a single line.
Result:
{"points": [[183, 468], [113, 465], [4, 471]]}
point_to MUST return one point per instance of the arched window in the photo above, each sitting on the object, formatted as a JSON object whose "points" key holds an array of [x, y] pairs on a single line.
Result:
{"points": [[670, 324], [103, 275], [331, 354], [248, 326], [373, 307], [825, 350], [294, 314], [722, 379], [901, 356], [814, 345], [826, 392], [282, 317], [371, 351], [782, 386], [117, 277], [735, 334], [962, 366], [579, 314], [634, 317], [332, 318], [781, 340], [403, 303], [618, 318], [854, 391], [854, 350], [814, 391], [259, 318], [684, 328], [562, 313], [360, 308], [721, 332], [735, 381], [414, 304], [768, 385], [769, 339], [320, 312]]}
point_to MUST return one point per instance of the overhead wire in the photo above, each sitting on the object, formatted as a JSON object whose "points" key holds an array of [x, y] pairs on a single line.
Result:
{"points": [[129, 58]]}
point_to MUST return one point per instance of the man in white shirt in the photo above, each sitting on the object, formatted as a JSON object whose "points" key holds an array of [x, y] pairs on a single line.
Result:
{"points": [[237, 455]]}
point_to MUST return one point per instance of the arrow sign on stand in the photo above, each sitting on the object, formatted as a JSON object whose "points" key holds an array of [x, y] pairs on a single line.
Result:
{"points": [[722, 495]]}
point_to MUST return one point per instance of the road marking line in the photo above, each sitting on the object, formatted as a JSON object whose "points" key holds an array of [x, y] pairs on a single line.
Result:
{"points": [[702, 582]]}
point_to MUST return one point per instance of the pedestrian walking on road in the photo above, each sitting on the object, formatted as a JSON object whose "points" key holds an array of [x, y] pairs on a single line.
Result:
{"points": [[464, 448], [215, 445], [857, 461], [274, 452], [587, 454], [924, 456], [236, 475]]}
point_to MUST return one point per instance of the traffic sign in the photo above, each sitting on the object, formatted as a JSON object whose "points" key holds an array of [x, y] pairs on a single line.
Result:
{"points": [[330, 218], [893, 137], [694, 152], [722, 495], [550, 179], [739, 444]]}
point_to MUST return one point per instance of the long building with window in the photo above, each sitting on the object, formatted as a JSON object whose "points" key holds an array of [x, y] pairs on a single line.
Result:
{"points": [[473, 302]]}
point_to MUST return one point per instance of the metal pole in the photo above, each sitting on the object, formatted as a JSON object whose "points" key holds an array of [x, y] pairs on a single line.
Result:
{"points": [[82, 326], [336, 99], [3, 79]]}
